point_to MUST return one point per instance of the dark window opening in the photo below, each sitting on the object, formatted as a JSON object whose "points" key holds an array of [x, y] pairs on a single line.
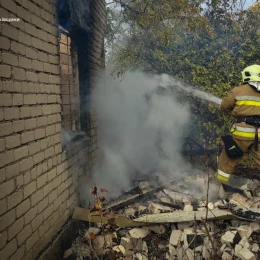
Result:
{"points": [[74, 18], [69, 84]]}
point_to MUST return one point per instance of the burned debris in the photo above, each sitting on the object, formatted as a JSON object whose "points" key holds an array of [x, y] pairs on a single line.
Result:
{"points": [[165, 222]]}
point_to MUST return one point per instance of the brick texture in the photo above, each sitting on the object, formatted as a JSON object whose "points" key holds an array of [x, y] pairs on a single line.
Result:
{"points": [[39, 177]]}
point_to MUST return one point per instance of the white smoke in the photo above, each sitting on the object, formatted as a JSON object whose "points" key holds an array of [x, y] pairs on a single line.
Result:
{"points": [[139, 130], [68, 135]]}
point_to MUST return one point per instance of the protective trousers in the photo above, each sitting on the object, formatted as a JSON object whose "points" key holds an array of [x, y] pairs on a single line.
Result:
{"points": [[226, 165]]}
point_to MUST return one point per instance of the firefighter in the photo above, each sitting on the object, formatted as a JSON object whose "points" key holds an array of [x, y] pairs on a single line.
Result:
{"points": [[244, 104]]}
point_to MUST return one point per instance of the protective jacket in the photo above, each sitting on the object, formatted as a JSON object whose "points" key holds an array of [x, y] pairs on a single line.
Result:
{"points": [[242, 101]]}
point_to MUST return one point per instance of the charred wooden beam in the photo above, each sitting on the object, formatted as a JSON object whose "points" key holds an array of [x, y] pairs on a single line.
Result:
{"points": [[184, 216], [85, 215], [124, 201], [247, 214]]}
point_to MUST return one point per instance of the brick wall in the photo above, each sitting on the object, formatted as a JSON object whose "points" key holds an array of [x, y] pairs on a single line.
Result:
{"points": [[38, 180]]}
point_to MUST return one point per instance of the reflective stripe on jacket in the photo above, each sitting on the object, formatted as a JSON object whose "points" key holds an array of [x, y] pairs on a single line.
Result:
{"points": [[242, 101], [250, 101], [222, 176], [245, 132]]}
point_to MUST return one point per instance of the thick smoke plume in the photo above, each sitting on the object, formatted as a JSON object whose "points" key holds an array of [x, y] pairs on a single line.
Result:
{"points": [[140, 131]]}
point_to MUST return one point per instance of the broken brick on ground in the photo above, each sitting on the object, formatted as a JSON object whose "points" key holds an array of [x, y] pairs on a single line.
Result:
{"points": [[165, 223]]}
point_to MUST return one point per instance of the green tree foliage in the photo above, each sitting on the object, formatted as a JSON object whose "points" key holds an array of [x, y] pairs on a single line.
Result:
{"points": [[204, 43]]}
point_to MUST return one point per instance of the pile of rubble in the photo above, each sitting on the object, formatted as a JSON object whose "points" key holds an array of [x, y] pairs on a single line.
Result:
{"points": [[167, 222]]}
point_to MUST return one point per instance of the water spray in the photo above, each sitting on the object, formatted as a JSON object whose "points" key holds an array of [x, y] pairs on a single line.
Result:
{"points": [[167, 82]]}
